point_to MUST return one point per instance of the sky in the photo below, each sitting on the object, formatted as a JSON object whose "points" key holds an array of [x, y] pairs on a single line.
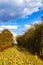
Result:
{"points": [[19, 15]]}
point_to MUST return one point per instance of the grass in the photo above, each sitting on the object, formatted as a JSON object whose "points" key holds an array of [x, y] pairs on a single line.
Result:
{"points": [[15, 56]]}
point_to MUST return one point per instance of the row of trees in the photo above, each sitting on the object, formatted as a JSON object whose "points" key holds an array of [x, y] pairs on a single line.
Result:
{"points": [[32, 39], [6, 39]]}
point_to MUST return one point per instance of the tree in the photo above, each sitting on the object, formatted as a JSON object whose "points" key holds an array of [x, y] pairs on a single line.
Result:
{"points": [[6, 39], [31, 39]]}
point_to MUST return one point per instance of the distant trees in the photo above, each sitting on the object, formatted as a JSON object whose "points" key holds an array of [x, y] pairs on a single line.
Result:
{"points": [[6, 39], [32, 39]]}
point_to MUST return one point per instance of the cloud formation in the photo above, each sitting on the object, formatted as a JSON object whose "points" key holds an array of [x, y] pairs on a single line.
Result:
{"points": [[13, 9], [26, 27], [10, 27]]}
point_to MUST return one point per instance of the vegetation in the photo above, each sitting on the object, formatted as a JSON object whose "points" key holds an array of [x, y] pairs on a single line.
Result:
{"points": [[32, 39], [6, 39], [12, 56], [27, 51]]}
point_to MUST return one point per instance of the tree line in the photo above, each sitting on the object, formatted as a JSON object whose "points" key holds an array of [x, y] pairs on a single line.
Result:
{"points": [[32, 39]]}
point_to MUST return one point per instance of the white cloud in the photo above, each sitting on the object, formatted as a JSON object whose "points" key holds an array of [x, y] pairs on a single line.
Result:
{"points": [[10, 27], [12, 9], [26, 27], [14, 34], [29, 11], [36, 22], [18, 3]]}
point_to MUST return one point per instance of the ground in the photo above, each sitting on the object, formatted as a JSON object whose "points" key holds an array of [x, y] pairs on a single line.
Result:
{"points": [[17, 56]]}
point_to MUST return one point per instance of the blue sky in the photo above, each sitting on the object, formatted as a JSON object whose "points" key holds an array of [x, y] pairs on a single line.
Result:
{"points": [[18, 15]]}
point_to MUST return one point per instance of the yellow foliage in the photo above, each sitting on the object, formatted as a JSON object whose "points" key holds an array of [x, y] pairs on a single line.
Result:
{"points": [[12, 56], [6, 39]]}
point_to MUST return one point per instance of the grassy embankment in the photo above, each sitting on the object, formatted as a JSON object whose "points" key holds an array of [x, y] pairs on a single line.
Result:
{"points": [[16, 56]]}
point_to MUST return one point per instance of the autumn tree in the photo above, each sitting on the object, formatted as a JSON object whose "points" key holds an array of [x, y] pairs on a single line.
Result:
{"points": [[6, 39], [31, 39]]}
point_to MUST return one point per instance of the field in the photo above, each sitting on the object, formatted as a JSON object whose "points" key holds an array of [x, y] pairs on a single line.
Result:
{"points": [[16, 56]]}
